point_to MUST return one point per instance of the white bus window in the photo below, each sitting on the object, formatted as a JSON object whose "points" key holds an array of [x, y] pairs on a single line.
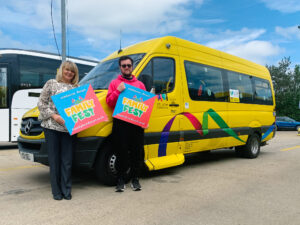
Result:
{"points": [[34, 72], [3, 87]]}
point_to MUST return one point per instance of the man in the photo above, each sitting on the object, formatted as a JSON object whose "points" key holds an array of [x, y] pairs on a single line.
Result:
{"points": [[128, 139]]}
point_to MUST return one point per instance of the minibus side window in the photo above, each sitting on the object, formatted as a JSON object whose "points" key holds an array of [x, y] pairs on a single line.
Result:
{"points": [[205, 83], [241, 82], [262, 92], [159, 74]]}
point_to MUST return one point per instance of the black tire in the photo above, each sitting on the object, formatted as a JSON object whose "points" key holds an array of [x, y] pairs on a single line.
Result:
{"points": [[252, 148], [105, 166]]}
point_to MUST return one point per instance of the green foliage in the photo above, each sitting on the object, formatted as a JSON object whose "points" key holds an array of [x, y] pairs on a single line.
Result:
{"points": [[286, 84]]}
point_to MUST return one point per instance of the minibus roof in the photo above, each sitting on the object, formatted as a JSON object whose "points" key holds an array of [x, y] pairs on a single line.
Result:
{"points": [[171, 45]]}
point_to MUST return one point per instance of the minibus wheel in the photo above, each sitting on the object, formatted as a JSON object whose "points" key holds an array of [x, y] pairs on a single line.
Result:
{"points": [[252, 148], [105, 166]]}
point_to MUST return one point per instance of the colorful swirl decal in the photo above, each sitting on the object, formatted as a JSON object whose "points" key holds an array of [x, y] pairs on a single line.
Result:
{"points": [[269, 131], [201, 129], [220, 122]]}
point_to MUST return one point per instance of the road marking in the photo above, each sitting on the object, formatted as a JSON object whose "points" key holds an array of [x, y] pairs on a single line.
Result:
{"points": [[20, 168], [292, 148]]}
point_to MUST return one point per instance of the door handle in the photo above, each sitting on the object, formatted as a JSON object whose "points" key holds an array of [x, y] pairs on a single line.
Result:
{"points": [[174, 105]]}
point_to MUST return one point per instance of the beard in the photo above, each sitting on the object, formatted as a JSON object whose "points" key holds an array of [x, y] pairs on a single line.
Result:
{"points": [[126, 75]]}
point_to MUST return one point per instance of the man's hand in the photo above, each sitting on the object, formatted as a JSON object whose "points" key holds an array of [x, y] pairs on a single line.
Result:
{"points": [[58, 119], [121, 87]]}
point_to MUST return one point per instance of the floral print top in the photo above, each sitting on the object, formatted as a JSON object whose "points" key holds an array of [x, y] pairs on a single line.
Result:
{"points": [[47, 107]]}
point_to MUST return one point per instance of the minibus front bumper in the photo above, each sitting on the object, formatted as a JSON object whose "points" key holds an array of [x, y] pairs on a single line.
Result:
{"points": [[84, 154]]}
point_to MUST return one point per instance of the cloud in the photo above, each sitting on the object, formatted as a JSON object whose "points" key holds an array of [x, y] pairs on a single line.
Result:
{"points": [[229, 37], [8, 42], [88, 57], [102, 21], [211, 21], [286, 6], [244, 44], [28, 13], [256, 51], [97, 24], [143, 17], [289, 32], [200, 34]]}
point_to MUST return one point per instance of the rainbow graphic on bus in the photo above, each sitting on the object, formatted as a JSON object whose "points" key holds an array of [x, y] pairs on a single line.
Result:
{"points": [[202, 129]]}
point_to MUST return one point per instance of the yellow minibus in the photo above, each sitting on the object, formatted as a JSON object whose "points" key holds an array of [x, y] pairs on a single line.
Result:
{"points": [[206, 100]]}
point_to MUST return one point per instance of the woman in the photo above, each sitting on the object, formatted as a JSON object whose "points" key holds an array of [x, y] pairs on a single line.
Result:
{"points": [[58, 141]]}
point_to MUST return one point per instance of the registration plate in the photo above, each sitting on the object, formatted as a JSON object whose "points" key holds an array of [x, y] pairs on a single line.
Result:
{"points": [[27, 156]]}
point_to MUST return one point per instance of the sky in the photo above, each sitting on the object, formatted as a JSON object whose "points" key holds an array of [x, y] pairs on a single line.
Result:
{"points": [[263, 31]]}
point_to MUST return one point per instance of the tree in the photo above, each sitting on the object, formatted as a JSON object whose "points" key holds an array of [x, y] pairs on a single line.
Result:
{"points": [[287, 88]]}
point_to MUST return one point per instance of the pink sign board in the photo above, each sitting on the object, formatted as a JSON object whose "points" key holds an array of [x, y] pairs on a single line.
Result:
{"points": [[134, 106], [80, 108]]}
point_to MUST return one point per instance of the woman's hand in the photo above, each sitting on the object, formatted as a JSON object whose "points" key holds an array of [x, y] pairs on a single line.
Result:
{"points": [[121, 87], [58, 119]]}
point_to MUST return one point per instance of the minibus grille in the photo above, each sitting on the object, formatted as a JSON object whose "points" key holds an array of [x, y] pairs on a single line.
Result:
{"points": [[31, 126]]}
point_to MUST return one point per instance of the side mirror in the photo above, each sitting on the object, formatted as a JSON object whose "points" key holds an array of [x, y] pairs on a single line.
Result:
{"points": [[152, 90]]}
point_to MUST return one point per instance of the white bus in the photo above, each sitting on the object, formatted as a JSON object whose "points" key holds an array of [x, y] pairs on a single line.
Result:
{"points": [[22, 75]]}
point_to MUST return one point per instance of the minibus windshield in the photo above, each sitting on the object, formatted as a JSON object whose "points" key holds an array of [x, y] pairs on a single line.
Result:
{"points": [[101, 76]]}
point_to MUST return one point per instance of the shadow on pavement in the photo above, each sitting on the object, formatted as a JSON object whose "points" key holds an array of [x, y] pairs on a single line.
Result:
{"points": [[8, 145]]}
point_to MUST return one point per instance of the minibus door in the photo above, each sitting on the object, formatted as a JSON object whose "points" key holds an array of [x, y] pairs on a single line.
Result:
{"points": [[162, 136], [205, 109]]}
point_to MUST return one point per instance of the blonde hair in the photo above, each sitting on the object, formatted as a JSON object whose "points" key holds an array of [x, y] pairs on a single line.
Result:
{"points": [[72, 66]]}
